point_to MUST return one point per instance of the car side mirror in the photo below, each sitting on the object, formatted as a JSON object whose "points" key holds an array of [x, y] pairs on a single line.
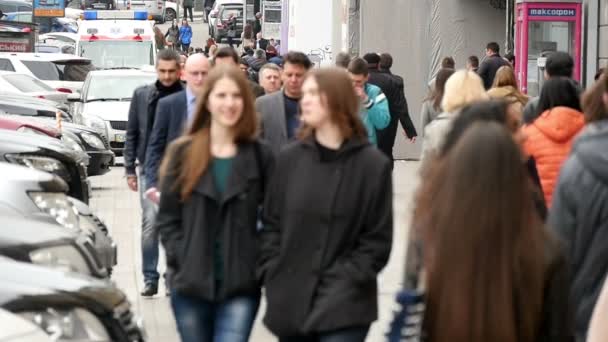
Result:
{"points": [[75, 97]]}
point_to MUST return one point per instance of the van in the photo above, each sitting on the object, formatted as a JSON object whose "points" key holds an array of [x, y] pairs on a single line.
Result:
{"points": [[155, 8]]}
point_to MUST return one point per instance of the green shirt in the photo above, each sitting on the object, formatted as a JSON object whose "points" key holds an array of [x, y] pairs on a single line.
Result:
{"points": [[220, 170]]}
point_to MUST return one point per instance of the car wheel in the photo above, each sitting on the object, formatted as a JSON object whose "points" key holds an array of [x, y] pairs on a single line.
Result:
{"points": [[170, 14]]}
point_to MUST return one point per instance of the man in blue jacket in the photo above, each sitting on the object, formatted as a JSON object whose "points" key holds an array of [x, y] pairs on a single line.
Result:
{"points": [[374, 105], [173, 115]]}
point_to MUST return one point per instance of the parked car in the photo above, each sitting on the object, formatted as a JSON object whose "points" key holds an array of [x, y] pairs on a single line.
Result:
{"points": [[24, 99], [65, 37], [8, 6], [105, 100], [170, 11], [78, 137], [62, 72], [106, 248], [40, 196], [48, 245], [213, 14], [17, 329], [220, 30], [69, 306], [49, 155], [17, 83], [25, 126]]}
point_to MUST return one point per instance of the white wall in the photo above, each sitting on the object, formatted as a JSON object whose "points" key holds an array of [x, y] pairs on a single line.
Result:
{"points": [[310, 25]]}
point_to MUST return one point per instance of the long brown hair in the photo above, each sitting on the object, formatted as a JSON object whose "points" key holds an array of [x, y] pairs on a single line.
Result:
{"points": [[342, 103], [593, 101], [484, 244], [505, 77], [436, 94], [193, 150]]}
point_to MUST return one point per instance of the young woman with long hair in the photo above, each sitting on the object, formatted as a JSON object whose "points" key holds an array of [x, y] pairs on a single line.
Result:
{"points": [[328, 221], [431, 107], [505, 87], [492, 271], [212, 186]]}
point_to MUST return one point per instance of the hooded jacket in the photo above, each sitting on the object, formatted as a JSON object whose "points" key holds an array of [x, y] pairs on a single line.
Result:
{"points": [[580, 216], [550, 139]]}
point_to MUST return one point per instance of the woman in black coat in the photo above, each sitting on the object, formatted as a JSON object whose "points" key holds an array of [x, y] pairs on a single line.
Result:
{"points": [[212, 188], [328, 221]]}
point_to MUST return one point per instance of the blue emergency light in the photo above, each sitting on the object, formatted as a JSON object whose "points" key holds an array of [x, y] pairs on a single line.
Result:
{"points": [[110, 15]]}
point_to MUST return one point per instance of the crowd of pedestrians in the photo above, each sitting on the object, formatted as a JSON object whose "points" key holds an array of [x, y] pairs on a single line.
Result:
{"points": [[268, 176]]}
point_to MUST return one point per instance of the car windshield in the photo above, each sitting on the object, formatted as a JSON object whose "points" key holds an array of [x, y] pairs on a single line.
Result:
{"points": [[116, 87], [118, 54], [26, 83], [59, 71], [237, 12]]}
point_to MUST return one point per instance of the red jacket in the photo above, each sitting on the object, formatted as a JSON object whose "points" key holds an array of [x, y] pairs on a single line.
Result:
{"points": [[550, 139]]}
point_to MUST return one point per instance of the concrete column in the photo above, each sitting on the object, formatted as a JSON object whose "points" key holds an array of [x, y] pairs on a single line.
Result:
{"points": [[590, 40]]}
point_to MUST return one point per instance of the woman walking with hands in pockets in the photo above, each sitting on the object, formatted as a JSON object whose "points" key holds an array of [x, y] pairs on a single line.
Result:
{"points": [[212, 186], [327, 222]]}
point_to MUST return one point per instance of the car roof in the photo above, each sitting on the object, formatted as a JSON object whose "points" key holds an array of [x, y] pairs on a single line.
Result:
{"points": [[15, 2], [50, 57], [4, 72], [120, 72]]}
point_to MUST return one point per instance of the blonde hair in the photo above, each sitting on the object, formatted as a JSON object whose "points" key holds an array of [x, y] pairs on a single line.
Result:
{"points": [[462, 88]]}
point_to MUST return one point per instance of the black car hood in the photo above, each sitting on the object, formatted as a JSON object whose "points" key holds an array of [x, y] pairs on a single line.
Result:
{"points": [[17, 142], [24, 286]]}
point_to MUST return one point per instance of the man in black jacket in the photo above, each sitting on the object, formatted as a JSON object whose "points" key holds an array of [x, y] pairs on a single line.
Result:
{"points": [[392, 86], [493, 62], [139, 126]]}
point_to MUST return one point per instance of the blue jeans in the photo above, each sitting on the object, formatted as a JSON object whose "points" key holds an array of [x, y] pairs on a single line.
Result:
{"points": [[149, 235], [353, 334], [203, 321]]}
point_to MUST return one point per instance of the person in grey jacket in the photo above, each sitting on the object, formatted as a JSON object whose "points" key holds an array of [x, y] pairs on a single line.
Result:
{"points": [[139, 127], [431, 107], [578, 213], [279, 112]]}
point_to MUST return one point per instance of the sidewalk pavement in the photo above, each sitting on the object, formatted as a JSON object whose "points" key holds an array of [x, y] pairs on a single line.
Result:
{"points": [[119, 208]]}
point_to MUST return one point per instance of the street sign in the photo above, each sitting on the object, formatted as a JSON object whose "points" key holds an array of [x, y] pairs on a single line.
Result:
{"points": [[49, 8]]}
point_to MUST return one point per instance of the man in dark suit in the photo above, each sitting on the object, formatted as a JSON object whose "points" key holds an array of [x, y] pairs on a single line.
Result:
{"points": [[260, 42], [228, 56], [392, 86], [173, 114], [139, 125], [493, 62]]}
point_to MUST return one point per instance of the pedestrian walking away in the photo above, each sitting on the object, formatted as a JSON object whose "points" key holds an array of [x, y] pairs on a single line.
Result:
{"points": [[139, 126], [578, 212], [487, 287], [213, 184], [279, 111], [505, 87], [431, 107], [374, 110], [493, 62], [327, 221], [231, 29], [185, 35], [172, 36], [551, 135], [188, 5], [461, 89], [257, 26], [173, 115]]}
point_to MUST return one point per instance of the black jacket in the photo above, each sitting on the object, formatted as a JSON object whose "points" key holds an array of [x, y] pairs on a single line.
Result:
{"points": [[189, 229], [579, 214], [169, 124], [327, 234], [487, 69], [392, 86]]}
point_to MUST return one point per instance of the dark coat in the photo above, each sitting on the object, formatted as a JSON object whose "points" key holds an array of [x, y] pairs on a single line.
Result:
{"points": [[137, 127], [169, 124], [392, 86], [262, 44], [189, 229], [579, 214], [327, 234], [487, 70]]}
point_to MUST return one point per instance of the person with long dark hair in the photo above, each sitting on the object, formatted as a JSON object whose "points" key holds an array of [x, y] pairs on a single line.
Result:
{"points": [[579, 208], [431, 107], [212, 187], [551, 135], [327, 222], [492, 271]]}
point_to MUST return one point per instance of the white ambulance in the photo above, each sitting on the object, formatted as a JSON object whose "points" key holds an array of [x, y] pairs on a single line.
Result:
{"points": [[117, 39]]}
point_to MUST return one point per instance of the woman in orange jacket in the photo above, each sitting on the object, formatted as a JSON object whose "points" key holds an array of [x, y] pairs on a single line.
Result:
{"points": [[551, 135]]}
